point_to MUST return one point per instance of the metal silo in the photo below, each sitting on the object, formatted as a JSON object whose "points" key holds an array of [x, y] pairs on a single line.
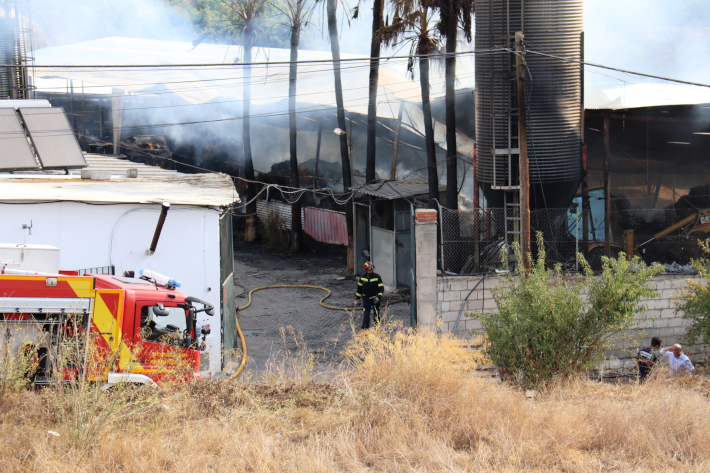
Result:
{"points": [[554, 95]]}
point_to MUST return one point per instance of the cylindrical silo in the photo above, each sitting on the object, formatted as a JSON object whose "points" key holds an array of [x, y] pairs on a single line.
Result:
{"points": [[554, 91], [14, 32]]}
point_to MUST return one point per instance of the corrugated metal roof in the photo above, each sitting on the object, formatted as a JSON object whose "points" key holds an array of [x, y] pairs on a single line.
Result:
{"points": [[327, 226], [391, 190], [264, 208], [207, 190], [118, 166], [644, 95]]}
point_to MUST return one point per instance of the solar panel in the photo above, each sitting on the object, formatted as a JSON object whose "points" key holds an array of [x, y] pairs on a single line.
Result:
{"points": [[53, 138], [15, 152]]}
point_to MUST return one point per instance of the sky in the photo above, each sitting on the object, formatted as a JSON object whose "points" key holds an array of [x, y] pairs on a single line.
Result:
{"points": [[652, 36]]}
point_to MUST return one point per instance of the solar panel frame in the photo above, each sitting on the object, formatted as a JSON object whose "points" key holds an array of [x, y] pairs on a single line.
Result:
{"points": [[53, 138], [15, 151]]}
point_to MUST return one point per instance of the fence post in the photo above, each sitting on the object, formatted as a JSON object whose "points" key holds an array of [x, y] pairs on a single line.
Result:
{"points": [[413, 269], [441, 234], [426, 249]]}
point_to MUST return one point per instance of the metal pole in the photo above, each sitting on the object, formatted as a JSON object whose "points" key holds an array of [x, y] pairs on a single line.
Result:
{"points": [[350, 143], [441, 236], [523, 145], [398, 127], [83, 116], [73, 114], [607, 190], [576, 243], [315, 168], [476, 207], [585, 198], [413, 280]]}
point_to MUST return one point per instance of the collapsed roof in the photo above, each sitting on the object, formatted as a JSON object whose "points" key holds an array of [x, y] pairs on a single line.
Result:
{"points": [[223, 82]]}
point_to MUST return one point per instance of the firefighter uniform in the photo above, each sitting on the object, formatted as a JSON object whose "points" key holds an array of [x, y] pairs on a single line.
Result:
{"points": [[370, 288]]}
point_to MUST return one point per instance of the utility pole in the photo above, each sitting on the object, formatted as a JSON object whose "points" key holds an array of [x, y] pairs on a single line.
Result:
{"points": [[523, 166]]}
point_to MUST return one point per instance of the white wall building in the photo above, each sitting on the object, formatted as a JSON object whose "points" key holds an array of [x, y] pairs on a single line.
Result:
{"points": [[110, 223]]}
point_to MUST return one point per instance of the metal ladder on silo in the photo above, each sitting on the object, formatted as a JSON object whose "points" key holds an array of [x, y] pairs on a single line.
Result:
{"points": [[511, 153], [511, 208], [511, 189]]}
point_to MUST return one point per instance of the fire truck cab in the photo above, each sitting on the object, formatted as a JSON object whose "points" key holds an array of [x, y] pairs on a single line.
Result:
{"points": [[110, 329]]}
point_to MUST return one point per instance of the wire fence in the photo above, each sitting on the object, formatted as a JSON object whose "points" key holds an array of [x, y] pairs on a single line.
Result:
{"points": [[471, 240]]}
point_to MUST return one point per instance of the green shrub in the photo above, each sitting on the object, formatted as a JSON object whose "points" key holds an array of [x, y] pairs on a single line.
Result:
{"points": [[695, 302], [554, 326]]}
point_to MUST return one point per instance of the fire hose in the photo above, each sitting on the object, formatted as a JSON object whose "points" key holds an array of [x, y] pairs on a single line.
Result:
{"points": [[286, 286]]}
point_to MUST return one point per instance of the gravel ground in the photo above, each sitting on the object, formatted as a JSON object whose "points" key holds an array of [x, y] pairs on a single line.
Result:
{"points": [[296, 310]]}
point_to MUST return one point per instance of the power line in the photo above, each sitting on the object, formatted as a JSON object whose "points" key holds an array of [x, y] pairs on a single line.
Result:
{"points": [[610, 68], [494, 50]]}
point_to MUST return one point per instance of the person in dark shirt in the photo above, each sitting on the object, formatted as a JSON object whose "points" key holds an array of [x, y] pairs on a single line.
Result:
{"points": [[370, 288], [647, 358]]}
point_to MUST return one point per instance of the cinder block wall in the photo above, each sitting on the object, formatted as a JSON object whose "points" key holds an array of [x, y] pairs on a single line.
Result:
{"points": [[661, 319]]}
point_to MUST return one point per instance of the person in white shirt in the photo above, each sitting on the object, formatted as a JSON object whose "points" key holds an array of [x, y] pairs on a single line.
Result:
{"points": [[678, 361]]}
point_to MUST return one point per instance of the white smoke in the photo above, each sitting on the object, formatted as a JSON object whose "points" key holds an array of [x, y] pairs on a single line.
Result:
{"points": [[657, 37], [58, 22]]}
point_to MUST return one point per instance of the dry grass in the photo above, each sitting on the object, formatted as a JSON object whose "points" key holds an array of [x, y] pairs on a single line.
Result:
{"points": [[404, 403]]}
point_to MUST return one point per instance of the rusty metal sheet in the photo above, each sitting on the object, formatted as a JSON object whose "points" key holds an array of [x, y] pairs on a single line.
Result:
{"points": [[326, 226]]}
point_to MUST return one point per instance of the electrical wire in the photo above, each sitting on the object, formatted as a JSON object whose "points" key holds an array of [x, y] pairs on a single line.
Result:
{"points": [[493, 50], [610, 68]]}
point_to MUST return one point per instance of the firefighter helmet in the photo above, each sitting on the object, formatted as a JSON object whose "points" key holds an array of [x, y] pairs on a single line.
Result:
{"points": [[369, 266]]}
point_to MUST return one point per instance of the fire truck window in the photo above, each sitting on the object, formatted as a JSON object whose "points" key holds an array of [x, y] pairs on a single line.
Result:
{"points": [[168, 329]]}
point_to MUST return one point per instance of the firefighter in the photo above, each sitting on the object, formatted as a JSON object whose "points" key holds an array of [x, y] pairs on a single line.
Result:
{"points": [[370, 288]]}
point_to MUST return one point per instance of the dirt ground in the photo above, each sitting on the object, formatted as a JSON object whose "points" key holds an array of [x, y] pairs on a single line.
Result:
{"points": [[281, 320]]}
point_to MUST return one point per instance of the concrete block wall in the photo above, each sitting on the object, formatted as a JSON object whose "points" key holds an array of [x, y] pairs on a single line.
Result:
{"points": [[452, 291], [660, 319]]}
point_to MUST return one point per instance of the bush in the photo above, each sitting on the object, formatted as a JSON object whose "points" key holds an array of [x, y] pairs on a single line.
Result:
{"points": [[274, 234], [695, 301], [545, 327]]}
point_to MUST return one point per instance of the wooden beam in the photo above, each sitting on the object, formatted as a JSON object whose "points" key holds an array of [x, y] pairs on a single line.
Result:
{"points": [[523, 156]]}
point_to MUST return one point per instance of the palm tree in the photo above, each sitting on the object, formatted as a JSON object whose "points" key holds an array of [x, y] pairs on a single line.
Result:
{"points": [[413, 24], [250, 12], [298, 14], [331, 10], [239, 20], [375, 44], [452, 14]]}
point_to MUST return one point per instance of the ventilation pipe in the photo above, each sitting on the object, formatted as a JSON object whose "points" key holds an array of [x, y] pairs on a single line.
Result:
{"points": [[159, 228]]}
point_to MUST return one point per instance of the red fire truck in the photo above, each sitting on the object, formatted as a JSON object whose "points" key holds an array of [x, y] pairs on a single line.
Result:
{"points": [[111, 329]]}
